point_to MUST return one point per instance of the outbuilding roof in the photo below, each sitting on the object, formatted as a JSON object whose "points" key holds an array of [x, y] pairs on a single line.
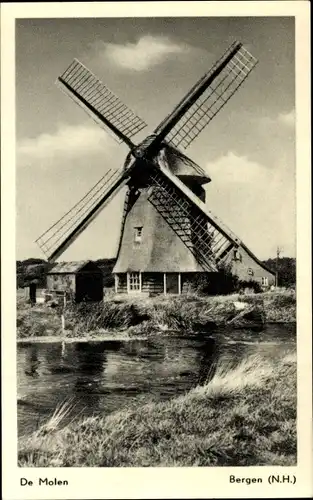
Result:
{"points": [[68, 267]]}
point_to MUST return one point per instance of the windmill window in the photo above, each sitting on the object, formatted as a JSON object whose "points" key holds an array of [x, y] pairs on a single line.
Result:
{"points": [[264, 281], [138, 234], [250, 271], [134, 282], [237, 255]]}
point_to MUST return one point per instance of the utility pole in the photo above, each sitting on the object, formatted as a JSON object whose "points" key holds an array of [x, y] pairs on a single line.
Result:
{"points": [[278, 252]]}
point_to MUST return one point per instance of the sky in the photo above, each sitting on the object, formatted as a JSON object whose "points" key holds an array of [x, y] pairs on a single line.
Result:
{"points": [[248, 150]]}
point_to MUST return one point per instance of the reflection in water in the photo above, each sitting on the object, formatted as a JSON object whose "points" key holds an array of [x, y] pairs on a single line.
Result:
{"points": [[91, 358], [31, 361], [208, 357], [102, 377], [91, 362]]}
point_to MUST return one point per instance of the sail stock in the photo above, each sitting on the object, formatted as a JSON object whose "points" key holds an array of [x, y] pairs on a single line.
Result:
{"points": [[62, 233], [206, 98], [217, 94], [100, 103], [206, 237]]}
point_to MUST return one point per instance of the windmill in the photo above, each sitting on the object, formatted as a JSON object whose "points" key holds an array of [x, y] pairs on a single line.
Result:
{"points": [[167, 232]]}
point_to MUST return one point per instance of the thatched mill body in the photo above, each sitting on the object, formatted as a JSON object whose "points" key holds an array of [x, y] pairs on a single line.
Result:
{"points": [[168, 236]]}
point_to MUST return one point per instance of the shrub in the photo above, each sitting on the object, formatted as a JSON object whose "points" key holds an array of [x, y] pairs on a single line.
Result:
{"points": [[221, 283], [250, 285]]}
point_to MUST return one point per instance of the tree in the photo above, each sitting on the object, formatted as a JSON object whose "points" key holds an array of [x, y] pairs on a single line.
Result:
{"points": [[286, 267]]}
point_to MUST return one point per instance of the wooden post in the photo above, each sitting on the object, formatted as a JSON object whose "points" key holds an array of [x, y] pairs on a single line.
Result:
{"points": [[179, 284], [63, 322], [63, 313], [32, 293], [164, 283], [278, 252]]}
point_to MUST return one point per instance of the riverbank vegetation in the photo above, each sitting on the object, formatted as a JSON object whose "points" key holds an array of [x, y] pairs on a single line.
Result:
{"points": [[137, 315], [244, 416]]}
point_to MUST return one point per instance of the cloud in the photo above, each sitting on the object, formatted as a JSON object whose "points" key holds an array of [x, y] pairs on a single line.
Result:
{"points": [[287, 118], [69, 141], [256, 202], [147, 52], [54, 171], [233, 169]]}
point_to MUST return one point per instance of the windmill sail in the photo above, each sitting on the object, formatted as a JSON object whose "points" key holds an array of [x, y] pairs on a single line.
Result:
{"points": [[207, 97], [207, 238], [60, 235], [100, 103], [190, 219]]}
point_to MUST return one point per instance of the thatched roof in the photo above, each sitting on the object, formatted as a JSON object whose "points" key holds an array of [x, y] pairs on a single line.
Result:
{"points": [[180, 165], [161, 250]]}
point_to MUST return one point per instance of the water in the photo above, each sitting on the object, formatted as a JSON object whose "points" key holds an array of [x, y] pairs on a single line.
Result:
{"points": [[102, 377]]}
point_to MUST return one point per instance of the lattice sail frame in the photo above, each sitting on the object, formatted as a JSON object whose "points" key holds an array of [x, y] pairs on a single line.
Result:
{"points": [[213, 98], [205, 240], [61, 234], [104, 107], [200, 234]]}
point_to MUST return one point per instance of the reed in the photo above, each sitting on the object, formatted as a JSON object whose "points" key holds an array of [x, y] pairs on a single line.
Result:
{"points": [[153, 315]]}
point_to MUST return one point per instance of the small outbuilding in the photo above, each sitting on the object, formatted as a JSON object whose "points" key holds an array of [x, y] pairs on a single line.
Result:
{"points": [[30, 287], [81, 281]]}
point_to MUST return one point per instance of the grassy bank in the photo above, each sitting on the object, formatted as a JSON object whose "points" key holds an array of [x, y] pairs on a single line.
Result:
{"points": [[138, 315], [244, 416]]}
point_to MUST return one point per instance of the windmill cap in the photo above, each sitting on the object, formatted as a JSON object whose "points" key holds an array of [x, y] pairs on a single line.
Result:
{"points": [[181, 165]]}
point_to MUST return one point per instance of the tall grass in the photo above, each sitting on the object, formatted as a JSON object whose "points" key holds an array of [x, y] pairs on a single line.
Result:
{"points": [[36, 321], [61, 413], [246, 415], [188, 314]]}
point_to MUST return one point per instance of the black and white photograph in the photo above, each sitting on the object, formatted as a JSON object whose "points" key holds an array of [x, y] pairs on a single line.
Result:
{"points": [[156, 285]]}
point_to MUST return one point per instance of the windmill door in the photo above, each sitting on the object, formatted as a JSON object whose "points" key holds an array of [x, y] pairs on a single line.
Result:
{"points": [[172, 283]]}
